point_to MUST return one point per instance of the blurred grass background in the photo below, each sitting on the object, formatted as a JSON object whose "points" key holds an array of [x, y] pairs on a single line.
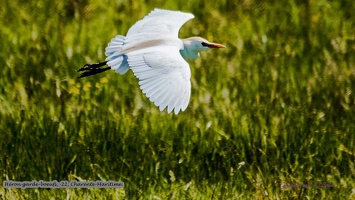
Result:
{"points": [[275, 107]]}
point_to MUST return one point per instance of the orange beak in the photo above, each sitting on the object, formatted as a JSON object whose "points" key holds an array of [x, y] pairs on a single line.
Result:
{"points": [[215, 45]]}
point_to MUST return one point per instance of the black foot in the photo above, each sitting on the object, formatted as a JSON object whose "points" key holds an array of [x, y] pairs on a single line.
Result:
{"points": [[92, 69], [93, 72], [92, 66]]}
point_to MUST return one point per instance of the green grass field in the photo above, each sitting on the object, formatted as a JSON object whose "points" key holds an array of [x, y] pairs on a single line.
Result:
{"points": [[269, 115]]}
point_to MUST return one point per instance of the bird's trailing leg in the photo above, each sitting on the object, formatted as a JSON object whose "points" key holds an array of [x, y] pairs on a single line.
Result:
{"points": [[92, 69]]}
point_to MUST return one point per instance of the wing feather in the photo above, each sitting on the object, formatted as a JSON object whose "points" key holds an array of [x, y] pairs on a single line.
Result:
{"points": [[151, 85], [159, 23], [164, 77]]}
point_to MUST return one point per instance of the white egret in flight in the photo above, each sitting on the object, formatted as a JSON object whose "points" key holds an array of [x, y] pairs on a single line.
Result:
{"points": [[157, 57]]}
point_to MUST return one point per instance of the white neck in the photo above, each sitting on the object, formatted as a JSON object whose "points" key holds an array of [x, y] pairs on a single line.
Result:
{"points": [[188, 52]]}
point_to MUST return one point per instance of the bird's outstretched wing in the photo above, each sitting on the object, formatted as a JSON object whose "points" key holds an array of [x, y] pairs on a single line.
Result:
{"points": [[164, 76], [159, 23]]}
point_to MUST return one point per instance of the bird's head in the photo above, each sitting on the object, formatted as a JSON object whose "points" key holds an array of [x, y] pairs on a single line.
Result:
{"points": [[193, 45], [201, 44]]}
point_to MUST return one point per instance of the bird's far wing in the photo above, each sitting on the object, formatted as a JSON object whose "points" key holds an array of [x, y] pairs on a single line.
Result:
{"points": [[159, 23], [164, 76]]}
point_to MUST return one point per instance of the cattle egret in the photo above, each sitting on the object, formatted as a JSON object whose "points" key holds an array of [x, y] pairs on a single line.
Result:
{"points": [[157, 57]]}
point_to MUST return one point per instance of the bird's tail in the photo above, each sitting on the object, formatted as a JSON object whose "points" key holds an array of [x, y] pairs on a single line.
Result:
{"points": [[114, 58]]}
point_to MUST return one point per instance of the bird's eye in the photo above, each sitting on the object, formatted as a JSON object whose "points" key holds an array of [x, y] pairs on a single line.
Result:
{"points": [[204, 44]]}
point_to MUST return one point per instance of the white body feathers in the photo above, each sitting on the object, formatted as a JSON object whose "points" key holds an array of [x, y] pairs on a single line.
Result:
{"points": [[157, 57]]}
